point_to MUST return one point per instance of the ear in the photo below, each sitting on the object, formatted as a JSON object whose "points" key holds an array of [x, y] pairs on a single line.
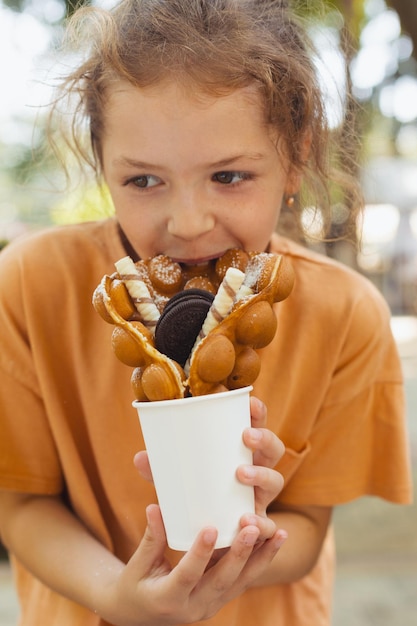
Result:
{"points": [[295, 173]]}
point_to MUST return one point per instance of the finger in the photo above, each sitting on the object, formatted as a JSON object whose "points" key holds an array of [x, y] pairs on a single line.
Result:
{"points": [[258, 412], [206, 592], [265, 479], [150, 553], [189, 571], [268, 484], [141, 462], [267, 447], [267, 528], [223, 575], [260, 559]]}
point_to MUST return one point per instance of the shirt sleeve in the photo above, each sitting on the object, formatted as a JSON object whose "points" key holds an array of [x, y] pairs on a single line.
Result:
{"points": [[357, 444], [24, 425], [24, 432]]}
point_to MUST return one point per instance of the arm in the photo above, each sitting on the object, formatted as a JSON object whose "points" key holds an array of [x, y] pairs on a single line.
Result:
{"points": [[306, 526], [54, 545]]}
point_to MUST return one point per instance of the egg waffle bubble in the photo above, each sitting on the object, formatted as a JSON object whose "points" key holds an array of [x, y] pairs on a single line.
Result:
{"points": [[223, 357]]}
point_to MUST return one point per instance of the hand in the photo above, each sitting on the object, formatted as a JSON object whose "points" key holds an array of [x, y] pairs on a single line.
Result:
{"points": [[205, 579], [149, 592]]}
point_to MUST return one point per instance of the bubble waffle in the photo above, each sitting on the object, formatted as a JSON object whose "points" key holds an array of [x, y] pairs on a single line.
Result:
{"points": [[208, 349]]}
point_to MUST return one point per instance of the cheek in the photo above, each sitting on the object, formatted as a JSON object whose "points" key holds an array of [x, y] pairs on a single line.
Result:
{"points": [[267, 218], [266, 213], [255, 231]]}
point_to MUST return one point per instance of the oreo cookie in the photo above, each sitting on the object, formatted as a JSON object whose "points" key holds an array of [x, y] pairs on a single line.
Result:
{"points": [[180, 322]]}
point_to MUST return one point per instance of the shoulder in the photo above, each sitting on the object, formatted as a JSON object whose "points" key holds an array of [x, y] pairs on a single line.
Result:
{"points": [[40, 271], [58, 253], [308, 264], [329, 284], [335, 306], [75, 242]]}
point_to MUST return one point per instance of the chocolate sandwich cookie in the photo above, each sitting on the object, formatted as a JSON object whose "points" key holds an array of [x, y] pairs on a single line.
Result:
{"points": [[180, 323]]}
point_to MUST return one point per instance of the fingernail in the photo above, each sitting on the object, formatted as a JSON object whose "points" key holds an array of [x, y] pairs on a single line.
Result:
{"points": [[259, 404], [250, 537], [255, 434], [249, 471], [283, 536], [210, 536], [148, 510]]}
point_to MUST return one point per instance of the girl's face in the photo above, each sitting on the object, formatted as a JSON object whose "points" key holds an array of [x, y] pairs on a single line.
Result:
{"points": [[192, 175]]}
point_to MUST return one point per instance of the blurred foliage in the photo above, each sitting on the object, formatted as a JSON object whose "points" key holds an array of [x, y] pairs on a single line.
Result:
{"points": [[22, 5], [91, 202], [407, 11]]}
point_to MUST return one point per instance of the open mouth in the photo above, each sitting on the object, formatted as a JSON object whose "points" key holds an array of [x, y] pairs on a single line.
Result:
{"points": [[202, 262], [198, 264]]}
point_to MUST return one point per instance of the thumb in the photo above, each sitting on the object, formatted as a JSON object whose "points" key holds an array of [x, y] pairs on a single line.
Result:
{"points": [[150, 552]]}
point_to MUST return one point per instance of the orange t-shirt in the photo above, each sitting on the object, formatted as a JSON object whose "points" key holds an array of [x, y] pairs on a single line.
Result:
{"points": [[331, 379]]}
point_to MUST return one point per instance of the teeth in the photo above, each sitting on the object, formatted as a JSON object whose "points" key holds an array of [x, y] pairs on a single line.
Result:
{"points": [[138, 291]]}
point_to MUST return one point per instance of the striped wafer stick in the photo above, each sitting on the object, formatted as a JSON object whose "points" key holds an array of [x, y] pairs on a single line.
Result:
{"points": [[139, 292], [221, 306], [223, 301], [244, 292]]}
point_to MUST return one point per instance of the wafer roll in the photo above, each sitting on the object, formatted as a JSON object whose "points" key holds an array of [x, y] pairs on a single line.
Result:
{"points": [[224, 300], [139, 292], [221, 307]]}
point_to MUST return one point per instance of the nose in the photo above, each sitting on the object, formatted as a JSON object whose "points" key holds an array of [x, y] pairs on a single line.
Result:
{"points": [[190, 216]]}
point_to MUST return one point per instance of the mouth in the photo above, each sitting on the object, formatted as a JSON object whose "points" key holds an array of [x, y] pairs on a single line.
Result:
{"points": [[199, 261]]}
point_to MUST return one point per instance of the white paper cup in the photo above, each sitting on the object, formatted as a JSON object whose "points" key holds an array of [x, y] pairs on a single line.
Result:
{"points": [[195, 446]]}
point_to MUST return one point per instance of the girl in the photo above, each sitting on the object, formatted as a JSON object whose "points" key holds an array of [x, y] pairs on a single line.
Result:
{"points": [[204, 118]]}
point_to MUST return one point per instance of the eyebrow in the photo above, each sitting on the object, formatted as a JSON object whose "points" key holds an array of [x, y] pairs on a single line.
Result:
{"points": [[127, 161], [254, 156]]}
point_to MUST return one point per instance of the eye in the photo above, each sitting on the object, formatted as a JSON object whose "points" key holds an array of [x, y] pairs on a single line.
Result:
{"points": [[230, 178], [145, 181]]}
